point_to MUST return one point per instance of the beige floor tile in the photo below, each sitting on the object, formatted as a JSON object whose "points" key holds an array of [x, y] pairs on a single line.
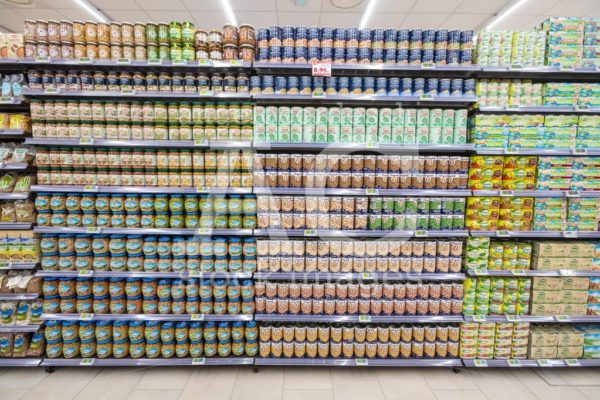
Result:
{"points": [[543, 390], [21, 378], [400, 384], [154, 394], [459, 395], [211, 383], [355, 384], [63, 384], [500, 384], [446, 379], [111, 384], [592, 393], [165, 378], [306, 378], [11, 394], [570, 376], [299, 394], [267, 384]]}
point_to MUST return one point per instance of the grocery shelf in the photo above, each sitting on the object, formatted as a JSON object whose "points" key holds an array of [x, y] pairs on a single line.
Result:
{"points": [[18, 296], [10, 133], [374, 99], [263, 68], [363, 192], [128, 64], [8, 226], [139, 189], [563, 151], [132, 94], [380, 148], [540, 73], [144, 317], [547, 319], [4, 265], [538, 110], [20, 362], [13, 166], [513, 363], [175, 144], [532, 272], [144, 231], [536, 193], [400, 319], [361, 362], [144, 362], [146, 274], [536, 234], [14, 196], [11, 101], [356, 233], [18, 328], [357, 276]]}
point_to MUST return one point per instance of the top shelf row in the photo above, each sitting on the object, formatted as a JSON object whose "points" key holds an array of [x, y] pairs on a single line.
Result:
{"points": [[265, 68]]}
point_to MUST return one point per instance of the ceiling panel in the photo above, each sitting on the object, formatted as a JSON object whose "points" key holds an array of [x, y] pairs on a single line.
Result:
{"points": [[11, 20], [402, 6], [116, 4], [291, 18], [465, 21], [168, 15], [386, 20], [340, 20], [515, 22], [38, 13], [75, 14], [209, 20], [536, 7], [170, 5], [482, 7], [573, 7], [439, 6], [329, 8], [129, 15], [310, 6], [254, 5], [201, 5], [257, 19], [424, 20]]}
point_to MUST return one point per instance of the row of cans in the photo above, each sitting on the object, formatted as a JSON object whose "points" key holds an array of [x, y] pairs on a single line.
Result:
{"points": [[362, 85]]}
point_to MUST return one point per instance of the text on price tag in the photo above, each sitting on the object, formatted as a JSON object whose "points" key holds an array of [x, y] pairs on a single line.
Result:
{"points": [[361, 362], [87, 362], [321, 69], [198, 361]]}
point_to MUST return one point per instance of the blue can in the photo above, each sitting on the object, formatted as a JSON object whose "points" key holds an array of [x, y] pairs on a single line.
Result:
{"points": [[403, 39], [378, 34], [263, 54], [287, 36], [356, 85], [402, 56], [262, 37], [305, 84], [389, 56], [466, 56], [274, 36], [416, 38], [466, 37], [407, 84], [431, 86], [368, 86], [352, 55], [440, 56], [441, 36], [453, 40], [343, 85], [339, 54], [327, 35], [427, 55], [216, 80], [331, 85], [453, 57], [318, 83], [456, 87], [268, 82], [314, 53], [301, 36], [418, 86], [376, 55], [352, 35], [339, 35], [327, 54], [469, 87], [280, 84], [301, 53], [314, 37], [292, 84], [287, 53], [390, 36], [255, 84], [100, 80], [274, 53], [381, 85], [394, 86], [444, 87], [364, 35], [428, 39], [364, 55], [414, 56]]}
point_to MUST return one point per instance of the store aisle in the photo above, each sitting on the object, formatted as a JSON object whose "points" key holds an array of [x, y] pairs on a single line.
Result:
{"points": [[239, 383]]}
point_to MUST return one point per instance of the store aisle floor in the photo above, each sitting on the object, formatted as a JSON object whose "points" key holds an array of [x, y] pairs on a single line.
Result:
{"points": [[237, 383]]}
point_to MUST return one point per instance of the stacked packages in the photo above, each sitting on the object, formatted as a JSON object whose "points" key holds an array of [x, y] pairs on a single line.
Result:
{"points": [[572, 42], [496, 296], [491, 340]]}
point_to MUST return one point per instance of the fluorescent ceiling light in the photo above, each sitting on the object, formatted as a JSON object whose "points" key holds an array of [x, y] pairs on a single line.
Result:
{"points": [[229, 12], [367, 14], [505, 13], [92, 10]]}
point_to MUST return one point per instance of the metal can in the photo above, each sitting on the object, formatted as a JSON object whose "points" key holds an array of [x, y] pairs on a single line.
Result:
{"points": [[287, 54], [393, 86], [402, 56], [431, 86], [174, 33], [127, 33], [188, 31], [139, 33], [163, 33], [305, 85], [151, 33]]}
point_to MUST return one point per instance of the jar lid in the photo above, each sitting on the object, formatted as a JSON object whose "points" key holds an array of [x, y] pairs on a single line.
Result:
{"points": [[103, 323], [249, 240], [135, 323], [100, 297], [121, 342], [132, 195], [138, 297], [116, 279], [223, 324], [53, 323], [134, 236], [119, 255], [152, 323], [136, 255], [65, 279], [44, 211], [100, 279], [82, 236], [84, 297], [151, 298], [50, 279], [119, 323], [149, 238], [66, 235], [102, 255], [86, 254]]}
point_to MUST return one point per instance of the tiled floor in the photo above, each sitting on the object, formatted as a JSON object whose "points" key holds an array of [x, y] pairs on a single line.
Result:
{"points": [[272, 383]]}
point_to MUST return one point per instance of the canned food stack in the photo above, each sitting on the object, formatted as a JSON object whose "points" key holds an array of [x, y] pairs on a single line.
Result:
{"points": [[359, 256], [547, 341], [136, 41], [11, 45], [554, 255], [490, 340], [559, 296], [505, 92], [338, 45], [568, 173], [571, 41], [18, 246], [496, 296], [502, 173], [118, 253], [499, 213], [591, 340], [358, 341], [573, 214], [510, 48], [151, 339]]}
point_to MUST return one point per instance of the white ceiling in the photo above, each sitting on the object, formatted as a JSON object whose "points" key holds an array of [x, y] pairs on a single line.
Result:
{"points": [[208, 14]]}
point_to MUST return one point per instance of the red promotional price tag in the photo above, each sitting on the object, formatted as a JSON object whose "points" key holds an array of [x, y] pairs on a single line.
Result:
{"points": [[321, 69]]}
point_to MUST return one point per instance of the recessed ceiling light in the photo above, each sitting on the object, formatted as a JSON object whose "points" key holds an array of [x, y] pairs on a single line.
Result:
{"points": [[345, 3], [20, 2]]}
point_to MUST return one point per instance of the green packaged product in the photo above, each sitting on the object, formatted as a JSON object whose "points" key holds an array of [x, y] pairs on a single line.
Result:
{"points": [[296, 133], [448, 118], [271, 133], [423, 117], [271, 115], [410, 135], [422, 134], [309, 116], [387, 222], [384, 134], [399, 205], [410, 205], [334, 116], [359, 117], [385, 116], [283, 133], [372, 116], [333, 133], [321, 116], [296, 115], [346, 116], [259, 115], [283, 115], [410, 117], [308, 134], [399, 222], [398, 117], [375, 222], [436, 117], [321, 134], [398, 134]]}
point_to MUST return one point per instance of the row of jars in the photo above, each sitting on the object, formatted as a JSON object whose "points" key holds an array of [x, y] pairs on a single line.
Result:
{"points": [[141, 177], [149, 246], [147, 112], [151, 339], [188, 82], [163, 159]]}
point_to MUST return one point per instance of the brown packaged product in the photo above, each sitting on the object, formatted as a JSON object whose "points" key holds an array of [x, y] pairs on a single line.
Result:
{"points": [[341, 307], [320, 163], [346, 264], [260, 305], [418, 164], [318, 306], [357, 180], [271, 306], [393, 182], [283, 179], [287, 203], [442, 182], [308, 162], [283, 162], [376, 307], [270, 162], [311, 203], [381, 181], [344, 181], [333, 163], [312, 221], [357, 163], [369, 163], [411, 307], [283, 290], [422, 291], [360, 223], [265, 221], [417, 264], [417, 249], [441, 349], [270, 179], [287, 220], [434, 307], [428, 349], [417, 181], [364, 306], [429, 265], [352, 306], [283, 306], [430, 182], [358, 265], [446, 290], [387, 307], [295, 180], [285, 264], [456, 307], [369, 180], [405, 182]]}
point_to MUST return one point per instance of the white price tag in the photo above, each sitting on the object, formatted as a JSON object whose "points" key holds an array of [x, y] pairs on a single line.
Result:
{"points": [[512, 107], [201, 189], [128, 92], [479, 318], [87, 362], [364, 318], [205, 63], [310, 232], [205, 93], [513, 318], [507, 193], [562, 318], [90, 188], [367, 276], [197, 317], [572, 193], [42, 59], [86, 141], [513, 363], [198, 361], [570, 234], [578, 151], [567, 68], [86, 316], [5, 265], [583, 108], [52, 91], [427, 65], [372, 145], [516, 66], [543, 362], [426, 97], [361, 362], [502, 233], [6, 100], [518, 272], [572, 362], [204, 231], [123, 61], [478, 271], [195, 274], [319, 95], [200, 143], [421, 233], [179, 62], [236, 63], [372, 192], [85, 273], [154, 61], [566, 272], [85, 60], [321, 69], [511, 150], [93, 229], [480, 363]]}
